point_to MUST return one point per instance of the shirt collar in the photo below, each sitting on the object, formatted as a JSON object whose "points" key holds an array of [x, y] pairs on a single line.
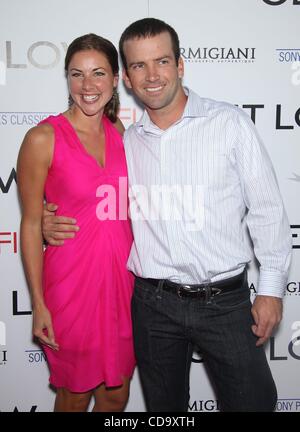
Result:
{"points": [[195, 107]]}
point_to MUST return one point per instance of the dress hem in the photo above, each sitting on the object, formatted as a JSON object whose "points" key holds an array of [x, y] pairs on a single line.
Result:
{"points": [[110, 384]]}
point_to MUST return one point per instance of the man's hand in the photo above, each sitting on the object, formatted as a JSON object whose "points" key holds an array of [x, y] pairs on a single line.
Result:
{"points": [[267, 314], [57, 228]]}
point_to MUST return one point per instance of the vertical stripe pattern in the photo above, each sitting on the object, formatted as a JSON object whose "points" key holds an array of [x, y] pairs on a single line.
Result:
{"points": [[194, 190]]}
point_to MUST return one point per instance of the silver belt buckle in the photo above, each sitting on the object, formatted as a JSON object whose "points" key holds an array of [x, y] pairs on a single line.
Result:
{"points": [[182, 288], [215, 291], [186, 287]]}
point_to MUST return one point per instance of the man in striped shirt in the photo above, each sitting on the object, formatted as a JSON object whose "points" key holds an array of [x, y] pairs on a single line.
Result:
{"points": [[198, 172]]}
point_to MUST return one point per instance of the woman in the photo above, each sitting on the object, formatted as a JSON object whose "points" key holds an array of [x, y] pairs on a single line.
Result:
{"points": [[81, 291]]}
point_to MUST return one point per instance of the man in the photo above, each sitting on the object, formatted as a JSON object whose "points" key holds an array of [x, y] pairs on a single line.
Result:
{"points": [[197, 170]]}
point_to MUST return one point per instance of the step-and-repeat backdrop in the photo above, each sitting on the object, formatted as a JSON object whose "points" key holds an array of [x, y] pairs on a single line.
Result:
{"points": [[245, 52]]}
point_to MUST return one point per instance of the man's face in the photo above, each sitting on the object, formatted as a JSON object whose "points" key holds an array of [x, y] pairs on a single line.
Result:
{"points": [[152, 72]]}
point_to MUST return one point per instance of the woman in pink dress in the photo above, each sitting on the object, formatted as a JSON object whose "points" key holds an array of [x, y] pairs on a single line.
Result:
{"points": [[81, 291]]}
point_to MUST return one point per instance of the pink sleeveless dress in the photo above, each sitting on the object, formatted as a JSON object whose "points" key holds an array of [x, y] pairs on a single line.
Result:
{"points": [[87, 286]]}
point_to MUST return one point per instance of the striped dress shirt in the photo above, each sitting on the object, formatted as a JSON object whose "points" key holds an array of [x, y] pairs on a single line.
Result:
{"points": [[195, 188]]}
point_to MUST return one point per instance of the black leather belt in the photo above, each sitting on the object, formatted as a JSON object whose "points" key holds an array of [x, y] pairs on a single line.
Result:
{"points": [[204, 291]]}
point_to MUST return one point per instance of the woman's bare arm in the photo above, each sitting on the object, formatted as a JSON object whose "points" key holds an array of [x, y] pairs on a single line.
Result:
{"points": [[32, 169]]}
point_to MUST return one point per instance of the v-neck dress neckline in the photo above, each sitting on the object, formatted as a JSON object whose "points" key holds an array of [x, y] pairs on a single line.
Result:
{"points": [[82, 147]]}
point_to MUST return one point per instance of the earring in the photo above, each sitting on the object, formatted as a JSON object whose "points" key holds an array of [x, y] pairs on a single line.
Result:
{"points": [[70, 101], [115, 93]]}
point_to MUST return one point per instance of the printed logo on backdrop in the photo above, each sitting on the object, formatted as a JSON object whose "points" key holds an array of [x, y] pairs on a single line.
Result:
{"points": [[40, 54], [292, 57], [22, 118], [208, 405], [291, 351], [3, 357], [3, 353], [280, 2], [16, 409], [35, 356], [280, 120], [8, 242], [5, 185], [218, 54], [32, 409], [29, 118], [292, 289], [287, 405], [283, 124], [18, 309], [128, 115], [295, 228], [288, 55]]}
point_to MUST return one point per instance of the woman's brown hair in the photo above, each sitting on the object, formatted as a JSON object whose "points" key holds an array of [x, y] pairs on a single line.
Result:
{"points": [[92, 41]]}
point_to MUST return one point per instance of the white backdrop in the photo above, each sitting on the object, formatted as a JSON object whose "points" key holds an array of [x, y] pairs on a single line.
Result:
{"points": [[246, 52]]}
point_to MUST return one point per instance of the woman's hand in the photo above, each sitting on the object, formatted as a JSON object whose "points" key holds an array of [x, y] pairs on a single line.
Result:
{"points": [[42, 327]]}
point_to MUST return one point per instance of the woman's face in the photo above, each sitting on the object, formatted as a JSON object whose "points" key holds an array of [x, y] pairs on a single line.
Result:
{"points": [[91, 81]]}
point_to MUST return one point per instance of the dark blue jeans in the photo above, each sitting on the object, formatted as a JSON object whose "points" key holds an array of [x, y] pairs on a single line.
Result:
{"points": [[167, 328]]}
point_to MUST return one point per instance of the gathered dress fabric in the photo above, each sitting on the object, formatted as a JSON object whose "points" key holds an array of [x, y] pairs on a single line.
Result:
{"points": [[87, 287]]}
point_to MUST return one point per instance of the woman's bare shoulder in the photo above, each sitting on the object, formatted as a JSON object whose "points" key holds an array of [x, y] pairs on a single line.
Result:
{"points": [[40, 133], [38, 142]]}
